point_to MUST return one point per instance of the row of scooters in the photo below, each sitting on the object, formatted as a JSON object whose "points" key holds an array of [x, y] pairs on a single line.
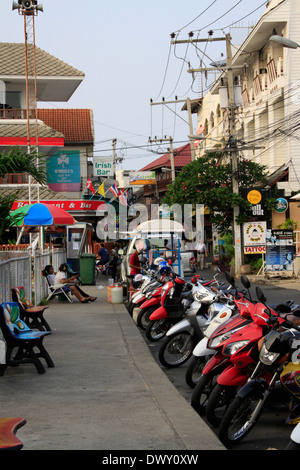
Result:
{"points": [[244, 353]]}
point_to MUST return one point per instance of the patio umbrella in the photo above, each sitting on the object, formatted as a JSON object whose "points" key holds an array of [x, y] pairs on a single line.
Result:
{"points": [[16, 217], [44, 215]]}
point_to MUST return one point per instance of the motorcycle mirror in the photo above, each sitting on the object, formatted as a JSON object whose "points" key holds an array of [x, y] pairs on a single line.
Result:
{"points": [[272, 341], [245, 281], [230, 278], [260, 295]]}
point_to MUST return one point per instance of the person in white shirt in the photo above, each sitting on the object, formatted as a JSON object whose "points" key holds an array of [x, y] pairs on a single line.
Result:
{"points": [[61, 278], [201, 253]]}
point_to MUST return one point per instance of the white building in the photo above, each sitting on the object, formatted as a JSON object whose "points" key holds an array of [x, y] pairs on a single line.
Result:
{"points": [[268, 121]]}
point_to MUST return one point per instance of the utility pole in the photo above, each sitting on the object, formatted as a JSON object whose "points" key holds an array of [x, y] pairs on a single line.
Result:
{"points": [[189, 109], [228, 69], [170, 139], [114, 143], [234, 158]]}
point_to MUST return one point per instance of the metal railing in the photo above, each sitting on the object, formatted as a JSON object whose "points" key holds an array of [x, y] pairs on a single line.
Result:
{"points": [[20, 268], [15, 270]]}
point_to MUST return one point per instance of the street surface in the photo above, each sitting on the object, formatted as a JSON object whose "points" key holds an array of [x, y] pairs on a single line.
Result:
{"points": [[270, 432]]}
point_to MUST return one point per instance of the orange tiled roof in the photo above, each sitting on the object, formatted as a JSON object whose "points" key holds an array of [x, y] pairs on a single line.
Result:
{"points": [[75, 124], [182, 156]]}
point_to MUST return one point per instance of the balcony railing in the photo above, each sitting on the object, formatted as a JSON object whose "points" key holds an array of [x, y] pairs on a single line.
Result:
{"points": [[265, 83], [15, 178], [16, 114]]}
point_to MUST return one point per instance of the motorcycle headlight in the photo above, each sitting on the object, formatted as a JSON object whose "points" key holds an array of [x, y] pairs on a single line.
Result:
{"points": [[266, 356], [150, 294], [205, 297], [232, 348], [214, 343], [164, 289]]}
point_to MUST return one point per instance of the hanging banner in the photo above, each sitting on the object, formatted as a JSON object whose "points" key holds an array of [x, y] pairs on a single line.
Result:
{"points": [[255, 237], [280, 251]]}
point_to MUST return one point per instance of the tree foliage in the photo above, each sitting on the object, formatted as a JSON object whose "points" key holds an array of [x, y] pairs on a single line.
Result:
{"points": [[208, 181], [18, 161]]}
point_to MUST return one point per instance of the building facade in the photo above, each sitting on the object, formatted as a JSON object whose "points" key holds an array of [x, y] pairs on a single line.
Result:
{"points": [[266, 69], [65, 136]]}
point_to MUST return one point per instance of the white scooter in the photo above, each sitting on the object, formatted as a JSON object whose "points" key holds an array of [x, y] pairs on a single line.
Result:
{"points": [[181, 339]]}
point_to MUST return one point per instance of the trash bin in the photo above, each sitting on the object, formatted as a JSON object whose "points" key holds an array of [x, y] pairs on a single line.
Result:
{"points": [[87, 268]]}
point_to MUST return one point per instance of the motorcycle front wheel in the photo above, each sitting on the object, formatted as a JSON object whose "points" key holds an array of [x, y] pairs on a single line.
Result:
{"points": [[218, 402], [157, 329], [194, 370], [202, 392], [239, 419], [143, 317], [176, 349]]}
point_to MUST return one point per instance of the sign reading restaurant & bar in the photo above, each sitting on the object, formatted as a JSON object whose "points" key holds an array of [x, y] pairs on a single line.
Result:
{"points": [[72, 205]]}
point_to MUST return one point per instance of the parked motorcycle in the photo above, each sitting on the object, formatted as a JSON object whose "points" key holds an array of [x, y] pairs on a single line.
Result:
{"points": [[181, 339], [230, 332], [171, 310], [152, 299], [274, 364], [242, 351], [148, 284], [174, 303], [201, 352], [151, 279]]}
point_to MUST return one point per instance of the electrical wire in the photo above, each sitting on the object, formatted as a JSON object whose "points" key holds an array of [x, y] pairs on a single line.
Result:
{"points": [[243, 18], [222, 16], [165, 74], [204, 11]]}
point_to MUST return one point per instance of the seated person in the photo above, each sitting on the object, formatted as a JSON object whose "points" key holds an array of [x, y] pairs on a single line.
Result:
{"points": [[61, 278], [102, 256]]}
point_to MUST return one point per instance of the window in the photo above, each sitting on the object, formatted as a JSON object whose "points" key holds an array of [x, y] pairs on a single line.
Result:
{"points": [[13, 99]]}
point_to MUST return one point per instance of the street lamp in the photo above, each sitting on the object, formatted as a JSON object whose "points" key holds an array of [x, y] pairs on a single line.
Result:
{"points": [[284, 41]]}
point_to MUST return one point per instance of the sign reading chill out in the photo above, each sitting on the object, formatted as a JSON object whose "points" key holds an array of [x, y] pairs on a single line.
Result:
{"points": [[103, 166]]}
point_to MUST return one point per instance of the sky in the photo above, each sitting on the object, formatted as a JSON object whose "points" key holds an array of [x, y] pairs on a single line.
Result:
{"points": [[124, 48]]}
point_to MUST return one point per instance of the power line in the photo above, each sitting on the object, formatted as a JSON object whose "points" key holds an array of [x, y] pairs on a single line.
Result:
{"points": [[243, 18], [222, 16], [204, 11]]}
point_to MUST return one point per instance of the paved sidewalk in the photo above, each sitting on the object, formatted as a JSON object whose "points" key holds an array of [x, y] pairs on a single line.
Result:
{"points": [[106, 392]]}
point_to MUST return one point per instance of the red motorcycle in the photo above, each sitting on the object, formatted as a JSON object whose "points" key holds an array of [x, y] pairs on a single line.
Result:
{"points": [[240, 335], [218, 362], [146, 307], [242, 352], [170, 312], [278, 366]]}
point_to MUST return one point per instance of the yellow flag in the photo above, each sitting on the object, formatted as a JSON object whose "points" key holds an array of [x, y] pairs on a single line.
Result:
{"points": [[101, 190]]}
